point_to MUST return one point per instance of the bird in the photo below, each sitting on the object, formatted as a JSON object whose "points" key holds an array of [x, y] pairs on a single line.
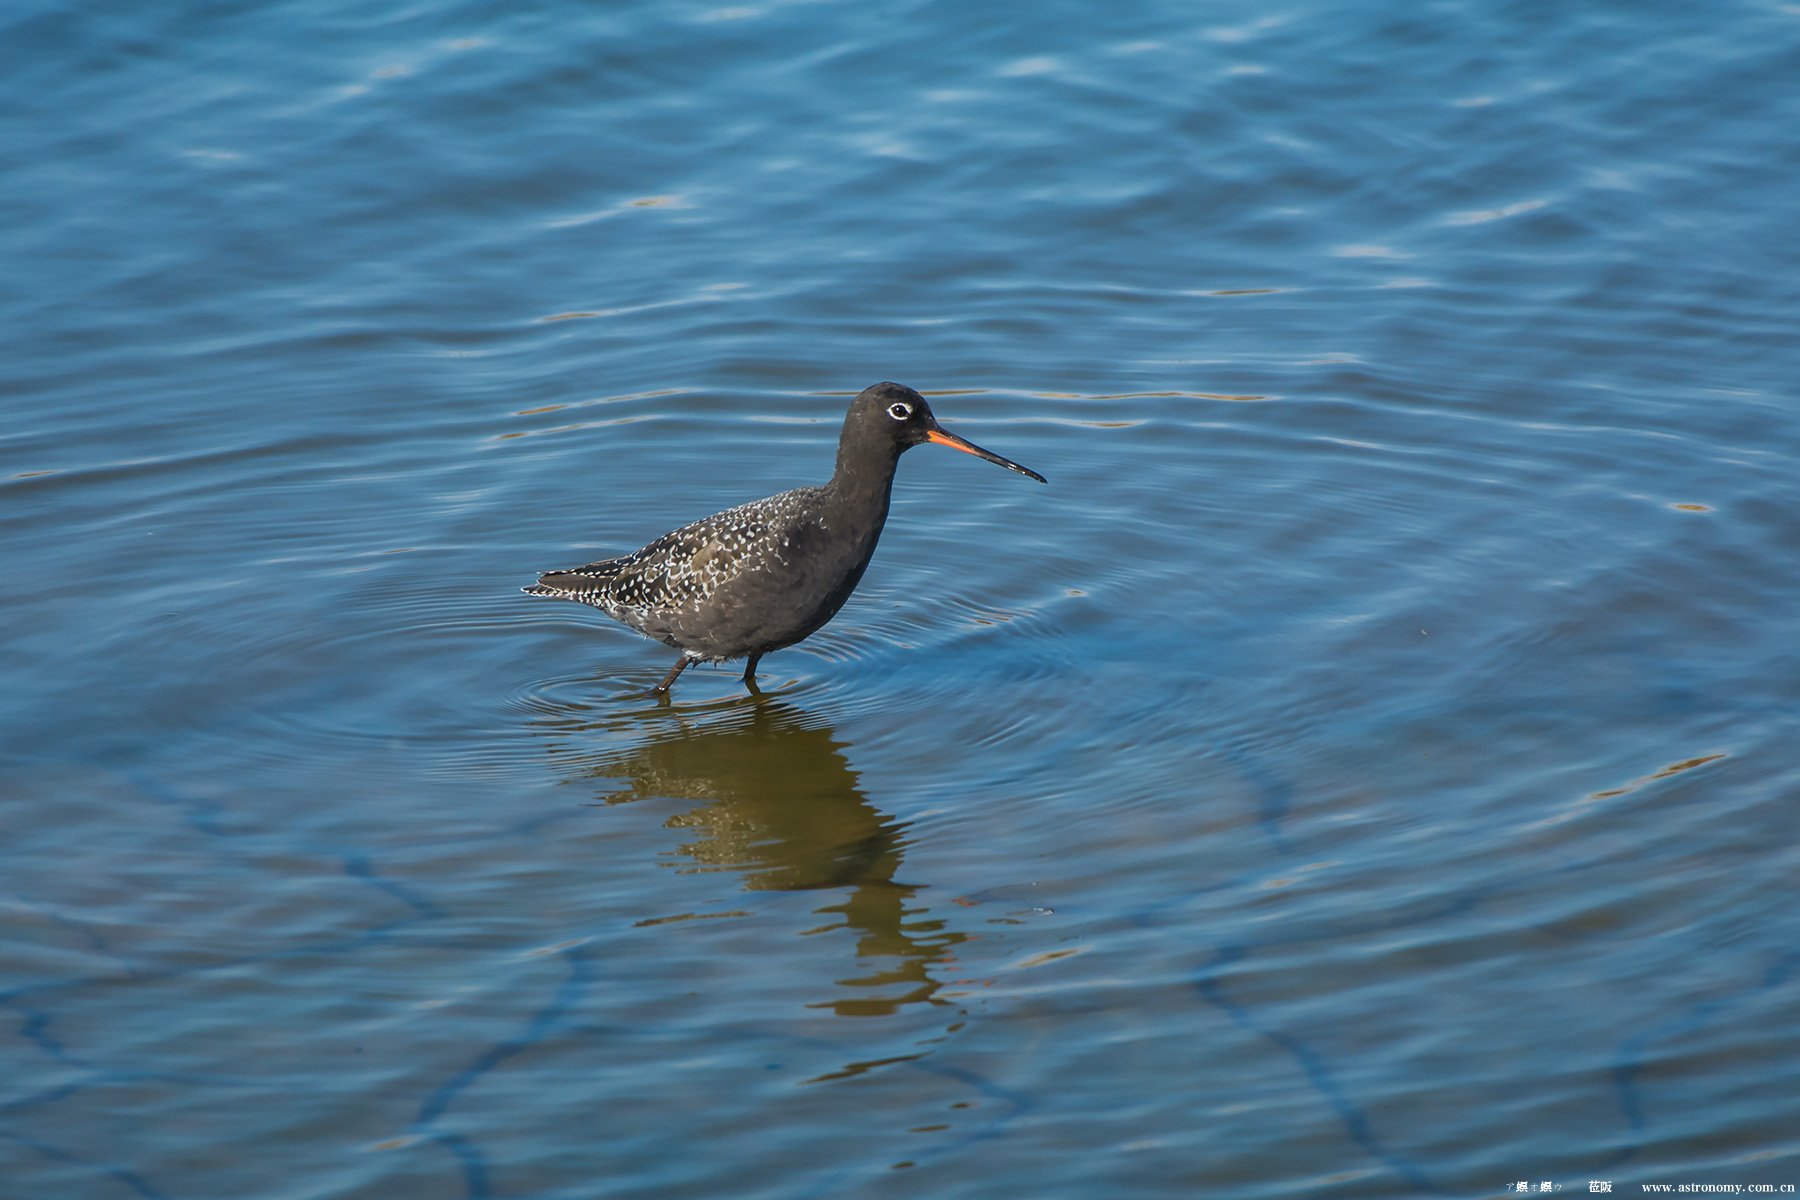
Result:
{"points": [[764, 575]]}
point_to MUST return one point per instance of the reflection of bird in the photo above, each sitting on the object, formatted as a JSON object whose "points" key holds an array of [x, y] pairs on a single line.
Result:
{"points": [[783, 808], [764, 575]]}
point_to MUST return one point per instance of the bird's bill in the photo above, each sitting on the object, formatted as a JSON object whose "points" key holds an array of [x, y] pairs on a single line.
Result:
{"points": [[944, 438]]}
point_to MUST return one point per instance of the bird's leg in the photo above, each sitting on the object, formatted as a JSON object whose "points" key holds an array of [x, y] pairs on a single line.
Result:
{"points": [[681, 665], [750, 671]]}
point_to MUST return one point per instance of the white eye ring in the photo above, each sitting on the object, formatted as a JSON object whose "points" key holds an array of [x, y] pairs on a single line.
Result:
{"points": [[899, 411]]}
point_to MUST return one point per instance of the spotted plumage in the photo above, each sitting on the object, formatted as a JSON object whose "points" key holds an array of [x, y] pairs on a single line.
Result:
{"points": [[764, 575]]}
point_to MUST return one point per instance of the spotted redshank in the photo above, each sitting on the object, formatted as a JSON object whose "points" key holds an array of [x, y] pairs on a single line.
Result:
{"points": [[764, 575]]}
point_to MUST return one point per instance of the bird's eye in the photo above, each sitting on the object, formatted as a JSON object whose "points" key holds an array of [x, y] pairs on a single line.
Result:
{"points": [[900, 411]]}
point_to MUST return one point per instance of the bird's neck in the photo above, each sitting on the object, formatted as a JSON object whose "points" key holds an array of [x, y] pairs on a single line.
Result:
{"points": [[863, 481]]}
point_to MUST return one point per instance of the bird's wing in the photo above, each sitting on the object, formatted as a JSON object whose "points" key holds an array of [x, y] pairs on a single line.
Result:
{"points": [[688, 564]]}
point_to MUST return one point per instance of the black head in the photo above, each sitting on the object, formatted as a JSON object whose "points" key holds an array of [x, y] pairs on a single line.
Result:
{"points": [[894, 415]]}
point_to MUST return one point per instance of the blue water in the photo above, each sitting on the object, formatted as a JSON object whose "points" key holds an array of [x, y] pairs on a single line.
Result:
{"points": [[1367, 770]]}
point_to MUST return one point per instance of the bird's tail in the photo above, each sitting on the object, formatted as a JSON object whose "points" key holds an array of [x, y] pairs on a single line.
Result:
{"points": [[573, 580]]}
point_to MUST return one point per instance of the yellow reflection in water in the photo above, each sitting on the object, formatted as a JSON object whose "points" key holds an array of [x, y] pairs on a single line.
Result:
{"points": [[779, 804]]}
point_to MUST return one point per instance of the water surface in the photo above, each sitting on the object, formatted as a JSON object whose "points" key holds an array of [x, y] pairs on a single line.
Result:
{"points": [[1366, 770]]}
